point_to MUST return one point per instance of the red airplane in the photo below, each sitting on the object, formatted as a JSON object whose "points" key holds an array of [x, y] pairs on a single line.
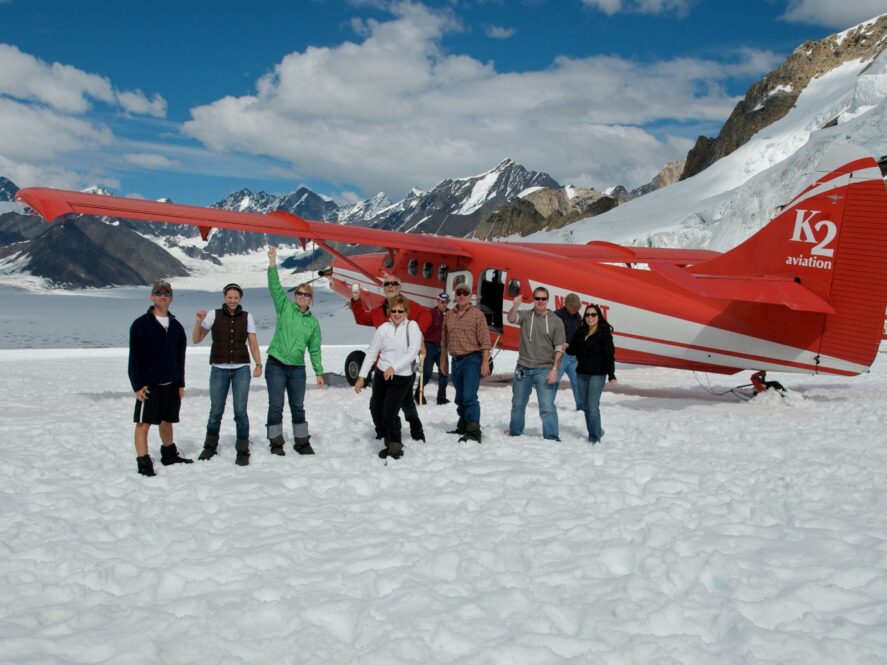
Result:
{"points": [[807, 293]]}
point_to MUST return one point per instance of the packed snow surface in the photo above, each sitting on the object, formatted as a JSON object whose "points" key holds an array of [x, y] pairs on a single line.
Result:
{"points": [[704, 529]]}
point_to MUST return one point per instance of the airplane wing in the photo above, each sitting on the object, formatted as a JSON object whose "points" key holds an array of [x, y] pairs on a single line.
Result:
{"points": [[53, 203]]}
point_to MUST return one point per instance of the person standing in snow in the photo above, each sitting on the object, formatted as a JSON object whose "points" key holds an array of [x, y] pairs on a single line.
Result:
{"points": [[592, 345], [431, 333], [376, 317], [396, 344], [157, 346], [541, 347], [569, 314], [296, 332], [233, 329]]}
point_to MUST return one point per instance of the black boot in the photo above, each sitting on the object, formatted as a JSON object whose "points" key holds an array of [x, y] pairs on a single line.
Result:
{"points": [[303, 446], [146, 466], [472, 433], [416, 431], [419, 396], [276, 445], [170, 455], [442, 396], [242, 448], [392, 449], [209, 447], [460, 427]]}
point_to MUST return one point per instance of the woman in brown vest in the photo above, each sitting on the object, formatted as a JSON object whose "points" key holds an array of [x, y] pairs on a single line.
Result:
{"points": [[232, 329]]}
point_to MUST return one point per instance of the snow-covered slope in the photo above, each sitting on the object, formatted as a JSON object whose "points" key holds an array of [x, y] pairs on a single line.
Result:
{"points": [[741, 192]]}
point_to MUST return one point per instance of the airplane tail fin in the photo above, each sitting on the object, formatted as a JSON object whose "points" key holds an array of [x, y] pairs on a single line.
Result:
{"points": [[826, 252]]}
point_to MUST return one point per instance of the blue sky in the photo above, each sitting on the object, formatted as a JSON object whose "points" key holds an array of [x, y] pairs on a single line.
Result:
{"points": [[193, 100]]}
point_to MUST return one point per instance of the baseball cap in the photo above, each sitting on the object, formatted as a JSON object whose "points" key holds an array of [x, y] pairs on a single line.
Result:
{"points": [[443, 295], [161, 284]]}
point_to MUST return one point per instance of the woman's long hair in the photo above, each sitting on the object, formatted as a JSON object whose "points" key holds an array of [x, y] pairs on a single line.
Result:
{"points": [[602, 323]]}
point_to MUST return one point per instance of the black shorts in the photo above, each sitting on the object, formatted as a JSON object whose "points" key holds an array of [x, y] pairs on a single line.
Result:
{"points": [[161, 405]]}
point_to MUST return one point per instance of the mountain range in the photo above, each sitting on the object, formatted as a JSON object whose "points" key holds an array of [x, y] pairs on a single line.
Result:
{"points": [[825, 91]]}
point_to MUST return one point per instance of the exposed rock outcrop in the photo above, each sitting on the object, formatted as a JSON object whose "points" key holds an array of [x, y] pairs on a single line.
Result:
{"points": [[772, 97]]}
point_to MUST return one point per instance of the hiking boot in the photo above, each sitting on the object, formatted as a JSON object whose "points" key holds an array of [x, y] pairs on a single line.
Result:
{"points": [[210, 444], [242, 448], [392, 449], [146, 466], [460, 427], [416, 431], [472, 433], [303, 446], [442, 396], [276, 445], [170, 455]]}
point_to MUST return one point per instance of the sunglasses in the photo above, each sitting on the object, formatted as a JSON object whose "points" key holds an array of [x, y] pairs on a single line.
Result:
{"points": [[304, 294], [163, 293], [390, 283], [540, 298], [463, 293], [397, 311], [591, 314]]}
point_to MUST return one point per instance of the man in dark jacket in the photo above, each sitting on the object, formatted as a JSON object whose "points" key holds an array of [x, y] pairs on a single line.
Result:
{"points": [[157, 345], [569, 314]]}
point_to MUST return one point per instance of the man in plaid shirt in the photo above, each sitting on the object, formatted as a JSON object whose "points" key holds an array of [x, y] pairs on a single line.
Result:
{"points": [[465, 337]]}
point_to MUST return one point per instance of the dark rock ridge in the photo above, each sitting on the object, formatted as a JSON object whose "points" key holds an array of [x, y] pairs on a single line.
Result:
{"points": [[772, 97], [88, 252], [8, 190]]}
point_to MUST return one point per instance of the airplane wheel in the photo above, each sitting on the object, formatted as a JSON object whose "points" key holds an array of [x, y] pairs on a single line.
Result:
{"points": [[352, 366]]}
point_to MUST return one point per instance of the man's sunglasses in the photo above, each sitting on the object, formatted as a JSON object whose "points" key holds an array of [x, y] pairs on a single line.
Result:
{"points": [[390, 283], [304, 294], [163, 292], [540, 298], [463, 293], [397, 311]]}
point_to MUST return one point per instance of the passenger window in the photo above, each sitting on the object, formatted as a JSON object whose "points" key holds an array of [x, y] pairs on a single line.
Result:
{"points": [[413, 267], [513, 288], [427, 270]]}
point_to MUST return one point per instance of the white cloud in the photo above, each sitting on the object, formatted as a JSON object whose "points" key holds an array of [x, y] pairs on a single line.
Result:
{"points": [[393, 110], [611, 7], [837, 14], [33, 133], [150, 161], [500, 32], [135, 101]]}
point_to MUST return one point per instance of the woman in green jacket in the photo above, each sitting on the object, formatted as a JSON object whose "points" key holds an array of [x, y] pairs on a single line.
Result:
{"points": [[296, 332]]}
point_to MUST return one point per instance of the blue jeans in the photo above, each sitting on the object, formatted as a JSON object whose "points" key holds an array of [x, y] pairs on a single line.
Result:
{"points": [[465, 372], [290, 378], [525, 379], [220, 380], [568, 367], [590, 388], [432, 356]]}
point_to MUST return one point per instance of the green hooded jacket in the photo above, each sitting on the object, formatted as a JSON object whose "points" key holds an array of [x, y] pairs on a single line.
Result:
{"points": [[295, 332]]}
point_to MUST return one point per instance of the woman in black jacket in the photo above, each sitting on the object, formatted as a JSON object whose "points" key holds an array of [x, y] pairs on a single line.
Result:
{"points": [[593, 347]]}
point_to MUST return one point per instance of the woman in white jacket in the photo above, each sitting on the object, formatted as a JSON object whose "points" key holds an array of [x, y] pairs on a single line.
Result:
{"points": [[396, 344]]}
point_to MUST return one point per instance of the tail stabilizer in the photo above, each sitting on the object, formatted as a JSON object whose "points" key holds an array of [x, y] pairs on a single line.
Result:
{"points": [[826, 252]]}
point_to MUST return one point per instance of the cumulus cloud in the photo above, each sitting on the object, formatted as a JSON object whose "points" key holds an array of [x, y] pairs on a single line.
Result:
{"points": [[393, 110], [150, 161], [500, 32], [611, 7], [833, 13], [135, 101]]}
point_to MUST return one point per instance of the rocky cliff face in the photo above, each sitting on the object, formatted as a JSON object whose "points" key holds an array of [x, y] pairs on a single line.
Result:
{"points": [[772, 97]]}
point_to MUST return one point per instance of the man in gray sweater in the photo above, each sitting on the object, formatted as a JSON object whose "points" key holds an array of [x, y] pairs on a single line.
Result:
{"points": [[542, 340]]}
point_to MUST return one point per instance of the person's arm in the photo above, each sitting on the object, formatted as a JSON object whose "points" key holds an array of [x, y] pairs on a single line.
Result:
{"points": [[611, 363], [372, 352], [515, 307], [314, 346], [135, 366], [253, 343], [557, 338], [278, 295], [199, 333], [183, 346], [442, 361]]}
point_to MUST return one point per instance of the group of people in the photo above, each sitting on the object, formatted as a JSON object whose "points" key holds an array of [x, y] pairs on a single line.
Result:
{"points": [[455, 339]]}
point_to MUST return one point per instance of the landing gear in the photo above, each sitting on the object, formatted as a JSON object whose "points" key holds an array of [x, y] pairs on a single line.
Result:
{"points": [[352, 366], [760, 383]]}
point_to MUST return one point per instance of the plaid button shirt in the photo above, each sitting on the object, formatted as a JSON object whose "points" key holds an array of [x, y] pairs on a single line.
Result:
{"points": [[465, 332]]}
